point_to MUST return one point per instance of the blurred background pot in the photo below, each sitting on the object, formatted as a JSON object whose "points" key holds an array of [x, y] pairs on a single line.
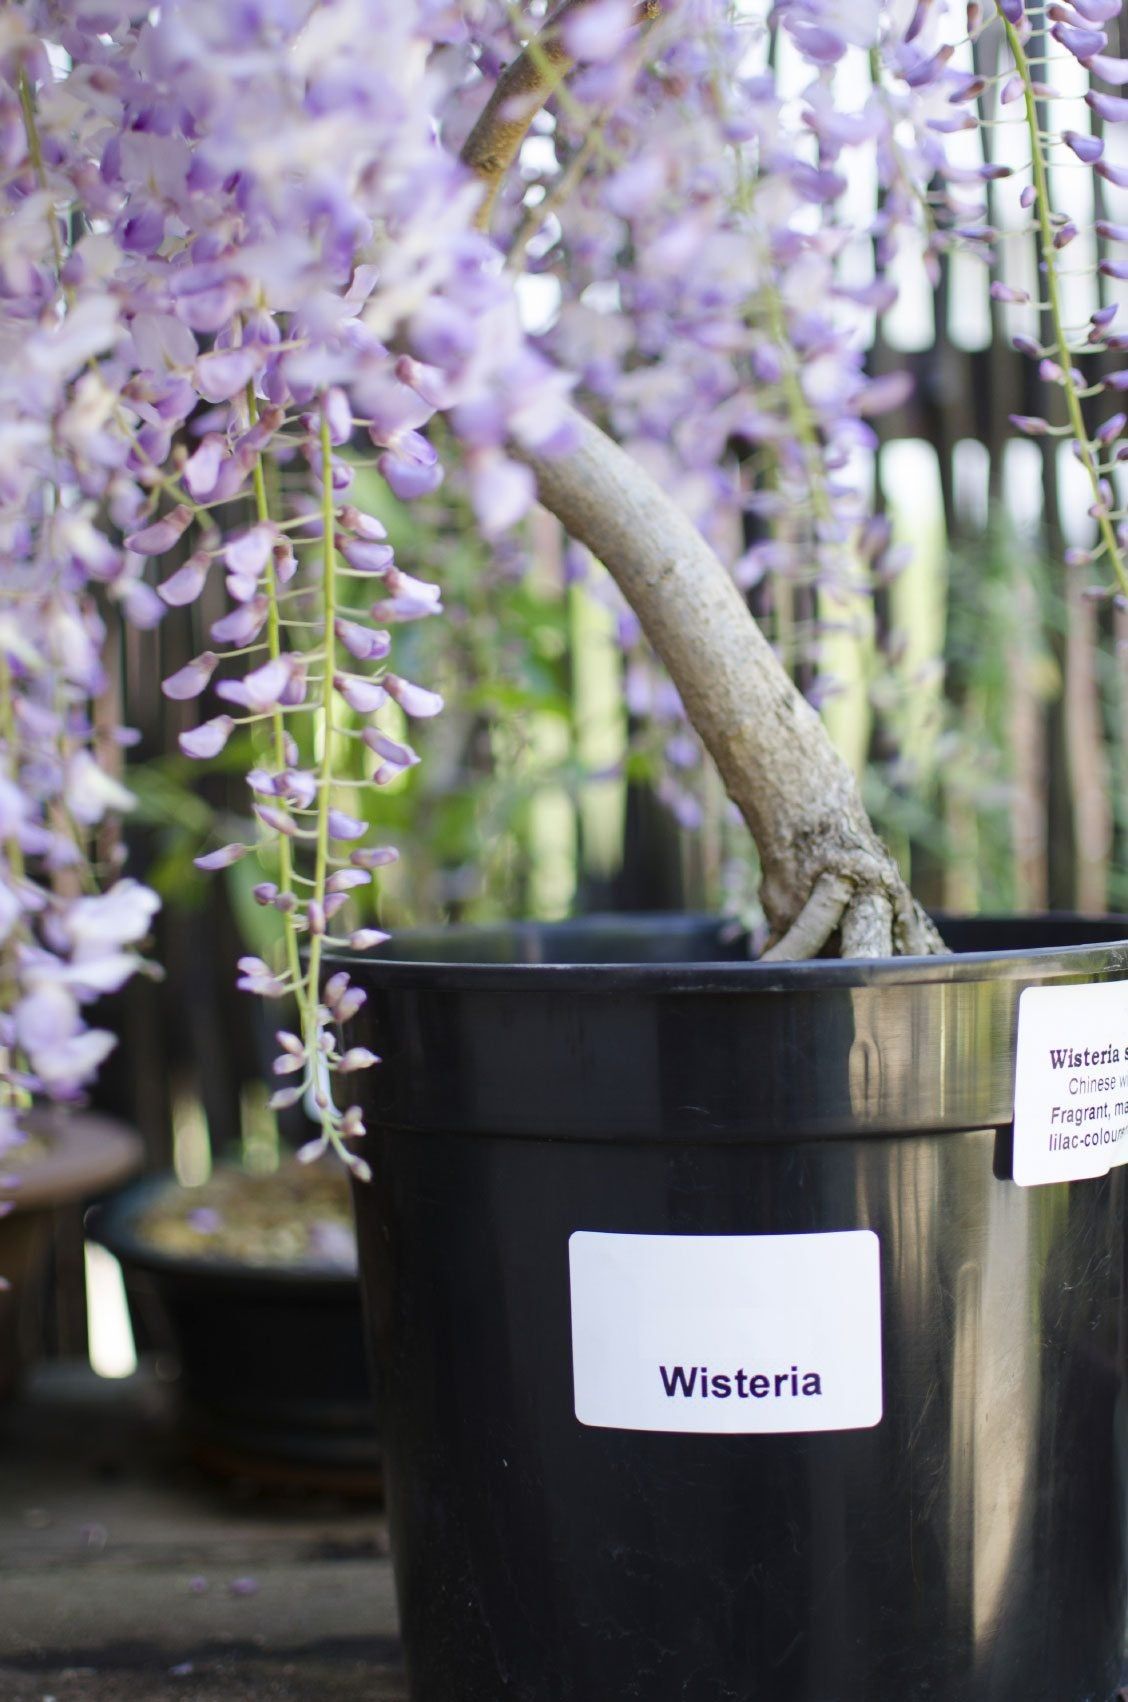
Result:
{"points": [[68, 1158], [266, 1340]]}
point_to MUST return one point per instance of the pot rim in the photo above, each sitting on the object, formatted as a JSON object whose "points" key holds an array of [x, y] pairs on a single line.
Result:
{"points": [[89, 1153], [1105, 954]]}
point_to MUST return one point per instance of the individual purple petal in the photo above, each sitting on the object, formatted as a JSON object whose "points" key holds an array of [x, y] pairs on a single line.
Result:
{"points": [[365, 696], [1008, 293], [192, 679], [208, 739], [408, 478], [185, 585], [1112, 428], [201, 470], [400, 755], [414, 700], [335, 989], [1109, 70], [597, 31], [1108, 232], [394, 410], [1113, 109], [224, 373], [362, 525], [366, 557], [363, 642], [1097, 11], [821, 46], [243, 587], [338, 414], [211, 309], [277, 820], [365, 938], [261, 690], [1114, 269], [223, 858], [1087, 148], [285, 561], [140, 604], [403, 607], [344, 880], [1082, 44], [154, 540], [357, 1058], [411, 466], [965, 86], [247, 554], [817, 185], [242, 625], [142, 230], [501, 490], [297, 787], [342, 826], [1030, 425]]}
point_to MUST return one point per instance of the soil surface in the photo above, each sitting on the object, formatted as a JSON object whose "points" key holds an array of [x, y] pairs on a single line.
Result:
{"points": [[299, 1215]]}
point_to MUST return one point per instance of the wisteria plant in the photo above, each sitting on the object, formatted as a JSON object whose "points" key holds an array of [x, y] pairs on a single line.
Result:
{"points": [[250, 248]]}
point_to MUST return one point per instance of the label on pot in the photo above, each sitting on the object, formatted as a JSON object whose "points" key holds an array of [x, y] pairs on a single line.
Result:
{"points": [[729, 1334], [1071, 1083]]}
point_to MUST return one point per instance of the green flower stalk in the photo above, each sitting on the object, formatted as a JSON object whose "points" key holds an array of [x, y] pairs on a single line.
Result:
{"points": [[1053, 236]]}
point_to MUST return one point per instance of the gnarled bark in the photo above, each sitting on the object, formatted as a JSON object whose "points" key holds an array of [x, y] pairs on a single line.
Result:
{"points": [[824, 868]]}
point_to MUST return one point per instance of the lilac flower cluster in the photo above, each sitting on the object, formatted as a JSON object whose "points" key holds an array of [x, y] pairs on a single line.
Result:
{"points": [[718, 275], [1040, 42], [233, 250], [70, 925], [239, 261]]}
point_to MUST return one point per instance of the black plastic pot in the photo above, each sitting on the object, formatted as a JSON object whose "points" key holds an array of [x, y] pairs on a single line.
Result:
{"points": [[963, 1542], [273, 1381]]}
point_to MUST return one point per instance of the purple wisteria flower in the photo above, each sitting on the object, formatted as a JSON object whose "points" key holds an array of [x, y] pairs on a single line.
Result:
{"points": [[266, 259], [240, 260]]}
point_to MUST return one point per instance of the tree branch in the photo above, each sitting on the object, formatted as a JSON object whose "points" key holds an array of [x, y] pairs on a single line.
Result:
{"points": [[794, 790], [521, 91]]}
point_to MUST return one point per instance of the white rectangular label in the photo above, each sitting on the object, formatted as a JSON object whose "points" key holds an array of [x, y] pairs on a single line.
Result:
{"points": [[1071, 1083], [727, 1334]]}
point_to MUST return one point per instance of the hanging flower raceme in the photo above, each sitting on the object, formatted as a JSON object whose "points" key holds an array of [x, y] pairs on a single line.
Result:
{"points": [[717, 278], [70, 926], [240, 307], [1074, 249]]}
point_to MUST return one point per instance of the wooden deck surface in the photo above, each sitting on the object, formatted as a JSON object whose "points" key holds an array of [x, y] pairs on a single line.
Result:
{"points": [[127, 1576]]}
